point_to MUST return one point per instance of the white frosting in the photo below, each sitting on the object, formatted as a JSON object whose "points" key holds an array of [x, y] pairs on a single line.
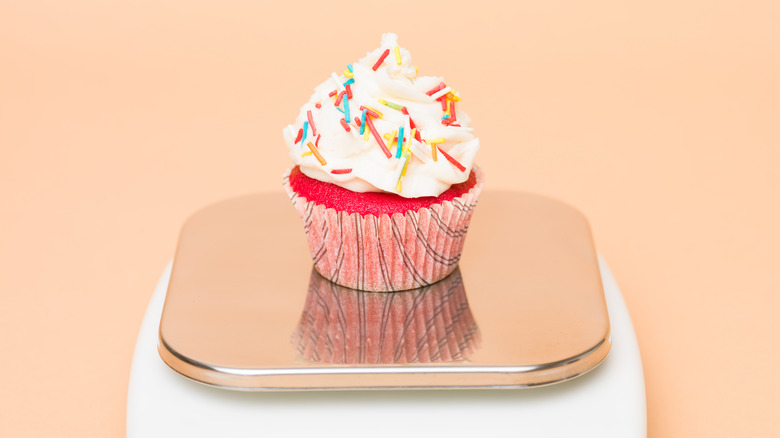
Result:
{"points": [[372, 171]]}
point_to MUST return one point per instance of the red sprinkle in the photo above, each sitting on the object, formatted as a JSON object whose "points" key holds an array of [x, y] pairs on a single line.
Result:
{"points": [[357, 121], [370, 112], [453, 116], [349, 91], [451, 160], [317, 142], [435, 89], [404, 110], [340, 171], [418, 136], [300, 135], [311, 122], [344, 124], [332, 93], [381, 60], [338, 99], [318, 105], [443, 103], [377, 137]]}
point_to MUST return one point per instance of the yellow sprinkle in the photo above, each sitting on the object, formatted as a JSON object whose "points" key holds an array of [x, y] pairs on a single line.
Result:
{"points": [[433, 152], [382, 101], [387, 136], [316, 153], [390, 138], [406, 156], [306, 154], [366, 132], [411, 136], [397, 55], [398, 186], [448, 107], [436, 141], [348, 74]]}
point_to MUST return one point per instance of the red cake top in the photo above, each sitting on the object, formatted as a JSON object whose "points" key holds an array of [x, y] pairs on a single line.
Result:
{"points": [[375, 203]]}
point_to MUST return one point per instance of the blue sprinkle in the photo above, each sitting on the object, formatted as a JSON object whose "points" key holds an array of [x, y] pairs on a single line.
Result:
{"points": [[342, 111], [363, 122], [349, 66], [346, 108], [445, 117], [305, 131], [400, 142], [350, 81]]}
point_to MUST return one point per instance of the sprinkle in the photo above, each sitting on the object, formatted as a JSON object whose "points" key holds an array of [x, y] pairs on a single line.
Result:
{"points": [[346, 107], [318, 105], [377, 137], [340, 110], [300, 135], [363, 120], [381, 59], [443, 104], [316, 153], [349, 67], [359, 125], [407, 155], [452, 160], [400, 142], [306, 154], [437, 95], [453, 96], [452, 112], [349, 91], [405, 111], [397, 55], [349, 82], [339, 97], [371, 112], [417, 135], [365, 134], [391, 138], [344, 124], [348, 74], [332, 93], [419, 152], [400, 169], [391, 105], [445, 117], [435, 89], [433, 152], [311, 122], [305, 131], [338, 82], [436, 141], [317, 142], [340, 171]]}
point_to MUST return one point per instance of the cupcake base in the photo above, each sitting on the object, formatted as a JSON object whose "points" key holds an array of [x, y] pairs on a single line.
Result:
{"points": [[381, 252]]}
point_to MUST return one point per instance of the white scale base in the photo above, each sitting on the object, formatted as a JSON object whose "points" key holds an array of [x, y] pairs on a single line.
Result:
{"points": [[606, 402]]}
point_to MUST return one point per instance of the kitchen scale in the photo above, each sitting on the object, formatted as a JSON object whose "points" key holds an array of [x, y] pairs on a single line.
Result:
{"points": [[529, 336]]}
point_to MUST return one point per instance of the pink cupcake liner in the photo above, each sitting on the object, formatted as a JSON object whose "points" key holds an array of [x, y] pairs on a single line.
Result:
{"points": [[387, 253], [346, 326]]}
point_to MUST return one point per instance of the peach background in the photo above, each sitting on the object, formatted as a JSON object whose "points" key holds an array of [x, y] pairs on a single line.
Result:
{"points": [[660, 120]]}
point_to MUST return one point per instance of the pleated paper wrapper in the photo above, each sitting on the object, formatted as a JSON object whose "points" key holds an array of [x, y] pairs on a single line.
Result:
{"points": [[387, 253], [345, 326]]}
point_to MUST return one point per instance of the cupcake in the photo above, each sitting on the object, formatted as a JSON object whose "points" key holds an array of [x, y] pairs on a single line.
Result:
{"points": [[384, 178], [425, 325]]}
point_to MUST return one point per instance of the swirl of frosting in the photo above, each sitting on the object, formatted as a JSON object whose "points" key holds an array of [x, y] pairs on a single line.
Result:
{"points": [[347, 133]]}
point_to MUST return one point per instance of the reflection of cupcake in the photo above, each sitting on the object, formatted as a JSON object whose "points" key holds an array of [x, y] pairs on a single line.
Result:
{"points": [[384, 177], [347, 326]]}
